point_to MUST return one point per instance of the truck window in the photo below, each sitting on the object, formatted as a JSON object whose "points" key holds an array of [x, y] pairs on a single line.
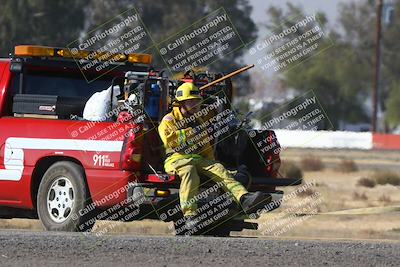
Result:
{"points": [[69, 84], [56, 83]]}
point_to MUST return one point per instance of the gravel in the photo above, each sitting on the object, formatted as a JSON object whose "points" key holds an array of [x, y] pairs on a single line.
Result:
{"points": [[28, 248]]}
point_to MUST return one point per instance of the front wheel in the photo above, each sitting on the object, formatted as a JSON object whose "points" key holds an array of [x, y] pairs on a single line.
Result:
{"points": [[63, 198]]}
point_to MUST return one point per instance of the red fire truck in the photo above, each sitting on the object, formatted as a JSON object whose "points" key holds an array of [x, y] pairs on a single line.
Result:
{"points": [[70, 172]]}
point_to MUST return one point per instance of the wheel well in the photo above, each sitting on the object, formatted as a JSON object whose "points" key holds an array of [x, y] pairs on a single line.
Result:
{"points": [[41, 167]]}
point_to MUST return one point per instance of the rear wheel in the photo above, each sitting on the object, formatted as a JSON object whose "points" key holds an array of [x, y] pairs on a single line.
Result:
{"points": [[63, 198]]}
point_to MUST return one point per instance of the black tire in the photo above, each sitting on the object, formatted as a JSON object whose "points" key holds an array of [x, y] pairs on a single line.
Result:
{"points": [[62, 194]]}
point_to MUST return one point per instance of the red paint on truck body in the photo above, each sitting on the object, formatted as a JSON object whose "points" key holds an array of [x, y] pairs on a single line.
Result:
{"points": [[102, 168]]}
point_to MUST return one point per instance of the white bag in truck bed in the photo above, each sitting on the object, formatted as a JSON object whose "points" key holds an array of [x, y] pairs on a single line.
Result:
{"points": [[98, 105]]}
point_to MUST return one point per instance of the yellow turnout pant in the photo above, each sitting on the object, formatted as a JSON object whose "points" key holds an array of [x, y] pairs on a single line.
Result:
{"points": [[189, 169]]}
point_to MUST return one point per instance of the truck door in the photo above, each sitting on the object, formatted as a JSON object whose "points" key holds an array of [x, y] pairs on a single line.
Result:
{"points": [[11, 159]]}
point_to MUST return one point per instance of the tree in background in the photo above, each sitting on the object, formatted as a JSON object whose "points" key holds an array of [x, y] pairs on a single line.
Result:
{"points": [[52, 23], [390, 96], [393, 106], [166, 18], [58, 23], [339, 76]]}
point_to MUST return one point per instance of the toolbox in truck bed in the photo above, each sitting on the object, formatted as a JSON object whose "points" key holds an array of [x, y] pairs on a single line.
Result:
{"points": [[60, 106]]}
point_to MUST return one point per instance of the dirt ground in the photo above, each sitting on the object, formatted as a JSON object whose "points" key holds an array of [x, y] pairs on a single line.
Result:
{"points": [[311, 212]]}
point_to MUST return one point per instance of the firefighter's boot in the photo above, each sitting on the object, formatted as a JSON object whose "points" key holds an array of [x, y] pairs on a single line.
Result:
{"points": [[250, 202]]}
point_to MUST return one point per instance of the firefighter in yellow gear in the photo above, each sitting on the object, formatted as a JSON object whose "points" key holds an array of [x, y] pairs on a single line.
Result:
{"points": [[188, 159]]}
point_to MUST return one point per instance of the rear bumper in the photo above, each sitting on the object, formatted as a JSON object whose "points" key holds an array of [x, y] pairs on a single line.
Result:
{"points": [[143, 196]]}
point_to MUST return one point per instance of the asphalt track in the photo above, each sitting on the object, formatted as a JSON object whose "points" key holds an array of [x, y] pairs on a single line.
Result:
{"points": [[27, 248]]}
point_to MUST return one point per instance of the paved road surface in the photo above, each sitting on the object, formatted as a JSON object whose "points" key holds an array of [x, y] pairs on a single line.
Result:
{"points": [[27, 248]]}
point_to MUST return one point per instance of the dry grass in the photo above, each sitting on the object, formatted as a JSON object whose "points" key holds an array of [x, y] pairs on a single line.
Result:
{"points": [[20, 224], [359, 196], [311, 163], [321, 185], [366, 182], [306, 193], [385, 199], [347, 165]]}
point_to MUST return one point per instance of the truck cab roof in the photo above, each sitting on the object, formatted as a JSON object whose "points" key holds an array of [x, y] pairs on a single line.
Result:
{"points": [[45, 70]]}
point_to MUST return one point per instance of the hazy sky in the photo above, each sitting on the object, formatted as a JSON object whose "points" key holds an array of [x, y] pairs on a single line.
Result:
{"points": [[329, 7]]}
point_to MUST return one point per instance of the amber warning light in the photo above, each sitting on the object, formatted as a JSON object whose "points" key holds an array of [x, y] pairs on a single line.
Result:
{"points": [[46, 51]]}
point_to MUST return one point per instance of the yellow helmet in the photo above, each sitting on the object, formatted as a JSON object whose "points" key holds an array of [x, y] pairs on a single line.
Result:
{"points": [[187, 91]]}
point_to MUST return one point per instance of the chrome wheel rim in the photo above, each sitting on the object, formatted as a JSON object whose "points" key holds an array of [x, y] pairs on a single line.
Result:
{"points": [[60, 199]]}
